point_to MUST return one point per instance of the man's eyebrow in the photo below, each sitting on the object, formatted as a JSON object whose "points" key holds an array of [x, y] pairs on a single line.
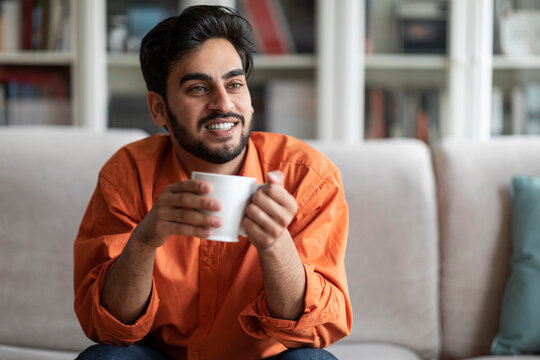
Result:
{"points": [[206, 77], [195, 76], [233, 73]]}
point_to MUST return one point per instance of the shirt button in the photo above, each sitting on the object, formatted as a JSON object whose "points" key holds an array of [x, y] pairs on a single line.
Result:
{"points": [[195, 354], [208, 261]]}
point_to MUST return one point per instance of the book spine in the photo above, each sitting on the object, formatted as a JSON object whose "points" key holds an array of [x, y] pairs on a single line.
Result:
{"points": [[532, 108], [497, 111], [27, 21], [411, 113], [518, 110], [11, 16], [270, 29]]}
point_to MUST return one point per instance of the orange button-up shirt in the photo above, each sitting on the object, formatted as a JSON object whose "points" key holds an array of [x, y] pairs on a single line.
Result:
{"points": [[208, 299]]}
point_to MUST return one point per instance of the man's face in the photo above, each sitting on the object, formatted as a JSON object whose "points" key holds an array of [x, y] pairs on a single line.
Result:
{"points": [[209, 106]]}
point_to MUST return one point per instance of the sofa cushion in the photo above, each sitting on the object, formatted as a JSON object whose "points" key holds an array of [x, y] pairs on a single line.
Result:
{"points": [[46, 179], [474, 207], [512, 357], [18, 353], [392, 257], [520, 320], [377, 351]]}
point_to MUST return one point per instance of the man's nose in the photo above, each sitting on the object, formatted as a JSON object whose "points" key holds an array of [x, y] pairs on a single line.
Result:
{"points": [[220, 100]]}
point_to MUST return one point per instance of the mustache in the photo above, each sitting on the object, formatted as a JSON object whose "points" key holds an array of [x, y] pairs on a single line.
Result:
{"points": [[213, 116]]}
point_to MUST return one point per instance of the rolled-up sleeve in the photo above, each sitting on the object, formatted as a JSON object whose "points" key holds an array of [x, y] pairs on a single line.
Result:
{"points": [[320, 234], [104, 231]]}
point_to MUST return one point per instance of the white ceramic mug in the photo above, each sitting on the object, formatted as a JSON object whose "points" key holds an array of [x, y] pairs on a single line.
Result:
{"points": [[234, 193]]}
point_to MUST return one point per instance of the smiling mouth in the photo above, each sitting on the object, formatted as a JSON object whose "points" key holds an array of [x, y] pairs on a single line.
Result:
{"points": [[221, 126], [220, 121]]}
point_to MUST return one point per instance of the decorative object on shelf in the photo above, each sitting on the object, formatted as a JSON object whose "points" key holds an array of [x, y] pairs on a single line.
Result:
{"points": [[118, 34], [129, 21], [421, 27], [140, 19], [519, 32]]}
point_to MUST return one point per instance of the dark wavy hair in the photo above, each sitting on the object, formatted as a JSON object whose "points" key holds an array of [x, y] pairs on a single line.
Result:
{"points": [[176, 36]]}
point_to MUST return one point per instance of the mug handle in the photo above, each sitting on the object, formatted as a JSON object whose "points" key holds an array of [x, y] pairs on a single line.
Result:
{"points": [[254, 189]]}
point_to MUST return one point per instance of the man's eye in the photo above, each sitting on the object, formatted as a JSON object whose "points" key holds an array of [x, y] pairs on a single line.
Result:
{"points": [[235, 85], [198, 88]]}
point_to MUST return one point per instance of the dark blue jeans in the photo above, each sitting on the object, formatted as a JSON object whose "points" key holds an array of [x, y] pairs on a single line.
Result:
{"points": [[138, 352]]}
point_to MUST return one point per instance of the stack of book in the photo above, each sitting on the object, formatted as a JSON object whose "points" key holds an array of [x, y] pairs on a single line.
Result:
{"points": [[37, 96], [34, 25], [286, 106], [281, 26], [517, 113], [413, 113]]}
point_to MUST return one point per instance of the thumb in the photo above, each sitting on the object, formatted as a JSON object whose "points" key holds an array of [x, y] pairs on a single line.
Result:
{"points": [[275, 177]]}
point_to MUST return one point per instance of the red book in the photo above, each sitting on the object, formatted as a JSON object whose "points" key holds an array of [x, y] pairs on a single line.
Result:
{"points": [[270, 29], [422, 125], [53, 82], [377, 126], [27, 22]]}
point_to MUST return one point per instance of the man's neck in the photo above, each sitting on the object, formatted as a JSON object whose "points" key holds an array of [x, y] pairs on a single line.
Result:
{"points": [[192, 163]]}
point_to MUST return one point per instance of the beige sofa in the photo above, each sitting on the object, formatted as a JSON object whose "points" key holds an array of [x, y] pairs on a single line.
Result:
{"points": [[428, 253]]}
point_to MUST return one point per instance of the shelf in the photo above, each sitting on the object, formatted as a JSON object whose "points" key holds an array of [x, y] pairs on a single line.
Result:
{"points": [[261, 62], [277, 62], [504, 62], [37, 58], [123, 60], [406, 62]]}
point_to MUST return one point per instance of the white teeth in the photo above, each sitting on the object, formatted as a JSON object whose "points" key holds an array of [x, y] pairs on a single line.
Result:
{"points": [[221, 126]]}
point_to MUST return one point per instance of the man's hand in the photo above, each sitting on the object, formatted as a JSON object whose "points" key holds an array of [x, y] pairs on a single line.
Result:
{"points": [[176, 212], [269, 213], [267, 218], [128, 287]]}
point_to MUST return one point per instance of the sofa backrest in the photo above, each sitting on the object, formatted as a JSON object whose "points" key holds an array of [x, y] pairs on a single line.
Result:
{"points": [[392, 255], [475, 235], [47, 176]]}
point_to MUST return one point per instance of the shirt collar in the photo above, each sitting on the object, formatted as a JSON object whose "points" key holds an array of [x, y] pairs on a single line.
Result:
{"points": [[250, 168], [252, 165]]}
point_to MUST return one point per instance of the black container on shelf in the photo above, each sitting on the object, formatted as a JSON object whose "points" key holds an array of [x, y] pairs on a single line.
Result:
{"points": [[421, 27]]}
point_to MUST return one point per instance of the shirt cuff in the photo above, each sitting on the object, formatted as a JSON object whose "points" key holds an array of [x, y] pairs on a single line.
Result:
{"points": [[110, 330], [257, 321]]}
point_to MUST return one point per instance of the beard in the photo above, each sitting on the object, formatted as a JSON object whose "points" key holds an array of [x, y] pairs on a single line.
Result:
{"points": [[197, 148]]}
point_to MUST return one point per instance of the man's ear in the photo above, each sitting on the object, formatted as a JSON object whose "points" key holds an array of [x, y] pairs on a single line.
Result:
{"points": [[158, 109]]}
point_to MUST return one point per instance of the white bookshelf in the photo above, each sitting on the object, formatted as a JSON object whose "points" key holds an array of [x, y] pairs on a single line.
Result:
{"points": [[42, 58], [38, 58], [341, 70], [261, 62], [285, 62], [123, 60], [502, 62], [406, 62], [467, 74]]}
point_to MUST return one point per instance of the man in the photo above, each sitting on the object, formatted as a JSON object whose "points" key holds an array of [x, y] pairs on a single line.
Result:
{"points": [[147, 283]]}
